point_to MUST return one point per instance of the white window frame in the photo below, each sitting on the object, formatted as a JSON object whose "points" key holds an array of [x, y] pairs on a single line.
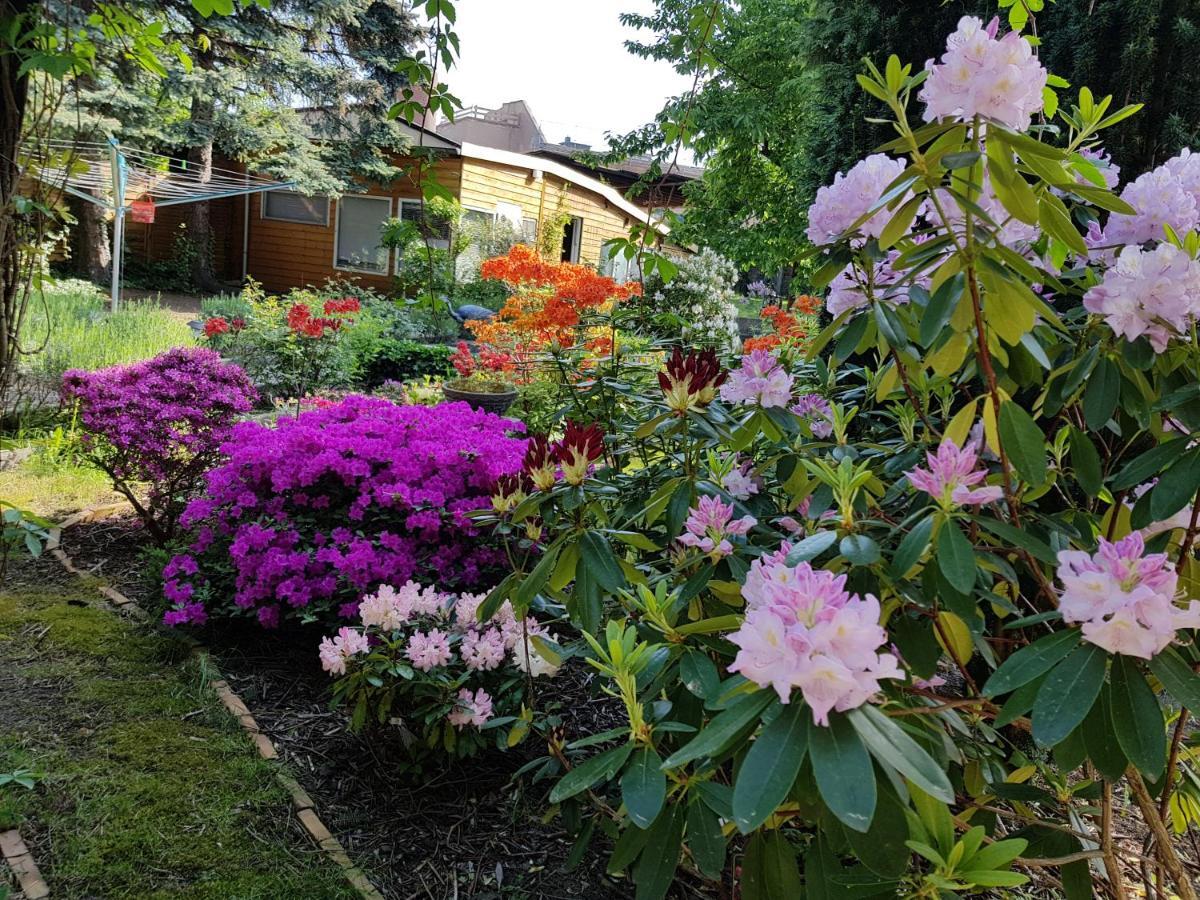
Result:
{"points": [[401, 202], [337, 231], [262, 209]]}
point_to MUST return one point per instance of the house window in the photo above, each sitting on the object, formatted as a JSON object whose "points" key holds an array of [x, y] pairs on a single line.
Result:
{"points": [[479, 225], [529, 231], [360, 222], [292, 206], [616, 266], [572, 240], [438, 233]]}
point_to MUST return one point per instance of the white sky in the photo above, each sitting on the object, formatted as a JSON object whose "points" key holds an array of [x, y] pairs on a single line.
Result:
{"points": [[566, 59]]}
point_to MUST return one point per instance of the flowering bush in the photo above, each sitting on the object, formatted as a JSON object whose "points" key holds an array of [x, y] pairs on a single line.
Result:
{"points": [[306, 516], [697, 306], [917, 606], [159, 423], [427, 660]]}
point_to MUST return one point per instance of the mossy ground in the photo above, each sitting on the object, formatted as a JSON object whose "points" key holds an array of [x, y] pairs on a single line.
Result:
{"points": [[149, 789]]}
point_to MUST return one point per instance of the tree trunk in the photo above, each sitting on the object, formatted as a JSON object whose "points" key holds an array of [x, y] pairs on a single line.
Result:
{"points": [[201, 157], [91, 248]]}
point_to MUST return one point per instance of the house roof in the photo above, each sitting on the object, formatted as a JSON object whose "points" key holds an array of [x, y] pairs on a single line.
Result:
{"points": [[627, 170], [567, 173], [414, 134]]}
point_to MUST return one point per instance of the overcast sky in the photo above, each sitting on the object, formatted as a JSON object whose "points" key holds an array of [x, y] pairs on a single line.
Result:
{"points": [[566, 58]]}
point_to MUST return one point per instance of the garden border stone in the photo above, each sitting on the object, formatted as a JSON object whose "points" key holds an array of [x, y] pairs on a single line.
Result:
{"points": [[301, 801], [20, 860]]}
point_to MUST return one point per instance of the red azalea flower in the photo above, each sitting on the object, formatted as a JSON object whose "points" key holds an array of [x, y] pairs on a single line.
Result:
{"points": [[214, 326], [238, 323]]}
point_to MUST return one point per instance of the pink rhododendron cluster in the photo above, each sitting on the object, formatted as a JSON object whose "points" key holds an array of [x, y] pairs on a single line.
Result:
{"points": [[852, 194], [160, 422], [760, 380], [1155, 293], [345, 645], [471, 708], [1166, 195], [952, 476], [739, 483], [816, 410], [981, 75], [1124, 597], [804, 630], [310, 514], [710, 524]]}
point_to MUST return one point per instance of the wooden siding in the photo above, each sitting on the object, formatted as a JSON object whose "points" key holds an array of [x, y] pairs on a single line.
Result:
{"points": [[284, 255], [486, 183]]}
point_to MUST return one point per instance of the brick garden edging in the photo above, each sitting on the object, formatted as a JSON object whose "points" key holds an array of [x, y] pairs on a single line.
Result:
{"points": [[301, 801], [20, 860]]}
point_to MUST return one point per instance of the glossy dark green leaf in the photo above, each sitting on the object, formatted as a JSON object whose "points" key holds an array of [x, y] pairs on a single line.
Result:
{"points": [[1100, 739], [941, 307], [1176, 487], [1019, 537], [1086, 463], [1020, 703], [843, 770], [955, 558], [597, 554], [892, 746], [860, 549], [911, 548], [770, 767], [1023, 442], [536, 580], [1101, 394], [1137, 718], [1149, 464], [644, 787], [882, 848], [699, 674], [1178, 678], [705, 839], [769, 869], [811, 547], [600, 767], [1030, 662], [723, 726], [655, 869], [1067, 694]]}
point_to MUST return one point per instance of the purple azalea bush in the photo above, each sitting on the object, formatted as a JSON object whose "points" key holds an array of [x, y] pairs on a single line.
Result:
{"points": [[160, 422], [307, 516]]}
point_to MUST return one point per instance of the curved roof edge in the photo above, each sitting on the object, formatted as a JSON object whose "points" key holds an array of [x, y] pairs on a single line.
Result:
{"points": [[542, 164]]}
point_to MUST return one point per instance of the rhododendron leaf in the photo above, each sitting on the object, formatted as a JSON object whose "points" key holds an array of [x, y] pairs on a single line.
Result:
{"points": [[1176, 487], [941, 306], [1068, 694], [955, 558], [597, 555], [1029, 662], [882, 847], [698, 673], [1019, 537], [1137, 718], [523, 596], [1024, 442], [1086, 463], [915, 638], [1146, 465], [643, 787], [892, 746], [635, 539], [740, 713], [769, 869], [1103, 748], [1102, 393], [900, 222], [627, 848], [496, 597], [601, 767], [811, 547], [955, 636], [912, 548], [564, 570], [655, 869], [1177, 677], [705, 839], [770, 767], [851, 337], [860, 549], [1056, 221], [1019, 703], [844, 772]]}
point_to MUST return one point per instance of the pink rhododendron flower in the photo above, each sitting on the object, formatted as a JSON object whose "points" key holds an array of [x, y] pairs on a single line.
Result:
{"points": [[526, 658], [739, 483], [1160, 198], [709, 526], [980, 75], [952, 475], [471, 708], [482, 650], [426, 650], [852, 194], [761, 379], [1151, 292], [817, 411], [385, 609], [1124, 598], [347, 643], [804, 630]]}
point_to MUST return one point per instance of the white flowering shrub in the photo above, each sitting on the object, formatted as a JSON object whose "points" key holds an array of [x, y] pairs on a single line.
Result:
{"points": [[698, 306], [915, 616]]}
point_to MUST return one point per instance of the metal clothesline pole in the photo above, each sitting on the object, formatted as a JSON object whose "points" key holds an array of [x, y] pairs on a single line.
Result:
{"points": [[118, 176]]}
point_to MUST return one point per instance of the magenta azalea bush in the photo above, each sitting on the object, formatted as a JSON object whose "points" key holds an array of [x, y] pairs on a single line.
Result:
{"points": [[159, 423], [307, 516]]}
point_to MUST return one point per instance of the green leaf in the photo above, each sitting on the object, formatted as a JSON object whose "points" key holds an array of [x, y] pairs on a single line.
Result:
{"points": [[1102, 393], [859, 549], [601, 767], [535, 580], [769, 869], [770, 767], [811, 547], [656, 867], [1100, 740], [900, 222], [1067, 694], [723, 726], [1137, 718], [1176, 487], [1029, 662], [699, 674], [1056, 221], [955, 558], [941, 307], [1086, 463], [705, 839], [911, 548], [1019, 538], [597, 555], [1146, 465], [882, 849], [644, 787], [1178, 678], [844, 773], [1024, 443], [892, 746]]}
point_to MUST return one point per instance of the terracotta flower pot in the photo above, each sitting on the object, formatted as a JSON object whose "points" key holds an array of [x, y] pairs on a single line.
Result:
{"points": [[488, 401]]}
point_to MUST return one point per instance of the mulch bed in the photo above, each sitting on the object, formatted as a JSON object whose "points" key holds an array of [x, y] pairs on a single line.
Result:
{"points": [[463, 829]]}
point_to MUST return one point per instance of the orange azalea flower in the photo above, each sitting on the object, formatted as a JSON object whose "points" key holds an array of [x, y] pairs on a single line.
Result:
{"points": [[808, 304]]}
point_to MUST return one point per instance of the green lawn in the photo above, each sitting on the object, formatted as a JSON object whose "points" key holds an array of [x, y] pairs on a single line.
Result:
{"points": [[149, 789]]}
